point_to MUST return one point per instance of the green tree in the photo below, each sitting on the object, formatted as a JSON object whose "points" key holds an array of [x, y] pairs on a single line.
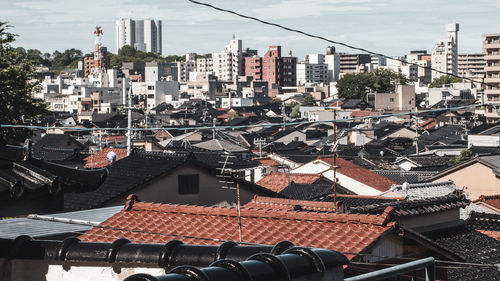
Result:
{"points": [[295, 110], [464, 155], [353, 86], [443, 80], [309, 101], [275, 101], [356, 86], [385, 80], [16, 104]]}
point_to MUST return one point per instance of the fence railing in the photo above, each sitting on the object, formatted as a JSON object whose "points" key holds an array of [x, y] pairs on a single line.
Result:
{"points": [[409, 268]]}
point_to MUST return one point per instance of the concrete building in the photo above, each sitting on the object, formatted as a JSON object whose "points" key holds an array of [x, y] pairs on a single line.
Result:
{"points": [[402, 100], [154, 93], [143, 35], [156, 71], [445, 53], [354, 63], [184, 68], [228, 65], [454, 91], [491, 51], [204, 65], [378, 61], [472, 66], [313, 70], [200, 85], [423, 73], [333, 62]]}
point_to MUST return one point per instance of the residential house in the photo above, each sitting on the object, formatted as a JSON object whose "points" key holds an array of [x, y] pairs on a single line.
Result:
{"points": [[480, 176]]}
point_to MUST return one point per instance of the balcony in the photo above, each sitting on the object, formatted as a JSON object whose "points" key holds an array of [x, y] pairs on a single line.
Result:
{"points": [[492, 91], [492, 68], [492, 57], [491, 45], [492, 80]]}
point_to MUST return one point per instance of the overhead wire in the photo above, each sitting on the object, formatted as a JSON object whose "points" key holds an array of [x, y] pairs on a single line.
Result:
{"points": [[456, 108], [350, 46]]}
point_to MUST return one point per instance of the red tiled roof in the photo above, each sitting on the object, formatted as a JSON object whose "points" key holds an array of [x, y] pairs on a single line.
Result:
{"points": [[491, 233], [492, 200], [115, 138], [261, 202], [277, 181], [268, 162], [360, 174], [428, 124], [159, 223], [99, 160], [360, 113]]}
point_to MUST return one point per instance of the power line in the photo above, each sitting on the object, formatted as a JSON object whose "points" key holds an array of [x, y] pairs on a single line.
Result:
{"points": [[251, 125], [329, 40]]}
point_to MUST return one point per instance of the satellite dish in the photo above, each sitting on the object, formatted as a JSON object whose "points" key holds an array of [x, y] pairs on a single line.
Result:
{"points": [[111, 156]]}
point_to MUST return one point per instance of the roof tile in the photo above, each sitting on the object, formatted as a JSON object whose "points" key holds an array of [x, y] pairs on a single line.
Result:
{"points": [[277, 181], [158, 223]]}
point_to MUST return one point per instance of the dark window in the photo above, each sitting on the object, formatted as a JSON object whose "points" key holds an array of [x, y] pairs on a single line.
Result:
{"points": [[189, 184]]}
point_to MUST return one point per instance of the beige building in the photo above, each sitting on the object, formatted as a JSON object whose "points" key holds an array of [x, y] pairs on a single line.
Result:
{"points": [[402, 100], [478, 176], [491, 51], [445, 53], [471, 66]]}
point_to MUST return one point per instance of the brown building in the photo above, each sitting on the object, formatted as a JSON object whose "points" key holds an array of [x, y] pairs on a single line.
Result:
{"points": [[253, 67], [89, 61], [273, 68]]}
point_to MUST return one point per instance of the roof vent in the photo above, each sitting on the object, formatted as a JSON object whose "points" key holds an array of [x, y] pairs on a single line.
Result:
{"points": [[111, 157]]}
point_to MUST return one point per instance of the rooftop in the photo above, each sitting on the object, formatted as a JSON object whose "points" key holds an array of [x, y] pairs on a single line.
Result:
{"points": [[158, 223]]}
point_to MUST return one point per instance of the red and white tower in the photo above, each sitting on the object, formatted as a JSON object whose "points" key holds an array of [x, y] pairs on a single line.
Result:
{"points": [[98, 61]]}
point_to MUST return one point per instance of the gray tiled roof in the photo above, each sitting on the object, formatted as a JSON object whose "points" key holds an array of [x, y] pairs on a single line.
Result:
{"points": [[55, 224]]}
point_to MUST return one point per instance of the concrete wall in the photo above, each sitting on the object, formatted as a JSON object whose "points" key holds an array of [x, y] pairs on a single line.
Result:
{"points": [[40, 270], [165, 190], [484, 140], [477, 179]]}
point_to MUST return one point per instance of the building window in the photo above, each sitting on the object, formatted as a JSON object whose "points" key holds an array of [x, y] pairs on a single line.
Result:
{"points": [[391, 99], [151, 87], [189, 184]]}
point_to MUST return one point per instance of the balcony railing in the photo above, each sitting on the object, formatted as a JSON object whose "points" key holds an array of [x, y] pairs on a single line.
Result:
{"points": [[397, 271]]}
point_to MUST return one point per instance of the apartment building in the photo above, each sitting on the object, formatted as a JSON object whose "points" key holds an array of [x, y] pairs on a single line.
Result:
{"points": [[354, 63], [143, 35], [313, 70], [491, 51], [228, 65], [471, 66], [273, 68], [445, 53]]}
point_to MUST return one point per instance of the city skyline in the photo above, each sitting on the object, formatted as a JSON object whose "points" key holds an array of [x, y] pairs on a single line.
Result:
{"points": [[190, 28]]}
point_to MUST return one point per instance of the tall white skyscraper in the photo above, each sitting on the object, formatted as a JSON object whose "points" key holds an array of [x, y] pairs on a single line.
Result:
{"points": [[143, 35], [445, 53]]}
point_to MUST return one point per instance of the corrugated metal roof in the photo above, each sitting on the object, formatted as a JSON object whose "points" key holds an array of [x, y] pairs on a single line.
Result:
{"points": [[47, 225]]}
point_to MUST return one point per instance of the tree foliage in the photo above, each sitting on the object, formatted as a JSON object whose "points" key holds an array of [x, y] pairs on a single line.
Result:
{"points": [[443, 80], [309, 101], [295, 110], [16, 104], [356, 86], [464, 155]]}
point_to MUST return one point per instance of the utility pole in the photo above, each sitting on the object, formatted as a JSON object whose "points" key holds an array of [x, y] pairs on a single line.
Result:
{"points": [[129, 121], [335, 160], [213, 128], [239, 212], [416, 134]]}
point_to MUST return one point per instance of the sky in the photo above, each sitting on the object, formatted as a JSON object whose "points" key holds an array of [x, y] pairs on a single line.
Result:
{"points": [[390, 27]]}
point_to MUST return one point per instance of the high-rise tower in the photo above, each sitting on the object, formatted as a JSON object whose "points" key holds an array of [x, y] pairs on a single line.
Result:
{"points": [[445, 53], [143, 35]]}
